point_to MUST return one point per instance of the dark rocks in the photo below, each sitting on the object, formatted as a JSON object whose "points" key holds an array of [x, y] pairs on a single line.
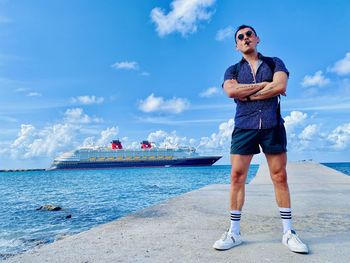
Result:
{"points": [[55, 208], [49, 208]]}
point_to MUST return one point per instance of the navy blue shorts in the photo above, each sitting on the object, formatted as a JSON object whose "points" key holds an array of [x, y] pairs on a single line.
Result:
{"points": [[247, 141]]}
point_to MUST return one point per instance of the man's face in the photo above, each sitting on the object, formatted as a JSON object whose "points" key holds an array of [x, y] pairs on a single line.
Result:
{"points": [[246, 40]]}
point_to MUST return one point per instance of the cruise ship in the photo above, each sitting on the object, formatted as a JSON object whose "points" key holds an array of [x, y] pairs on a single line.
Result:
{"points": [[115, 156]]}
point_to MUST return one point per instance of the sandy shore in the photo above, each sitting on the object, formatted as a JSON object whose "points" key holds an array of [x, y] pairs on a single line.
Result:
{"points": [[184, 228]]}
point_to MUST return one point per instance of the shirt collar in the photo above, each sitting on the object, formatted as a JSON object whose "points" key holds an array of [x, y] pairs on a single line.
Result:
{"points": [[260, 57]]}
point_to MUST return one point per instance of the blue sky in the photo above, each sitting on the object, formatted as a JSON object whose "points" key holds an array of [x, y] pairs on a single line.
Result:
{"points": [[78, 73]]}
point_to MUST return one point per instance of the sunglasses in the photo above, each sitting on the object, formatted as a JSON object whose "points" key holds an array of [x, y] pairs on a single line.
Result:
{"points": [[248, 34]]}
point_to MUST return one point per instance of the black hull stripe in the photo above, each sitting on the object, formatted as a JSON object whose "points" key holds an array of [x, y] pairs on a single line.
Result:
{"points": [[204, 161]]}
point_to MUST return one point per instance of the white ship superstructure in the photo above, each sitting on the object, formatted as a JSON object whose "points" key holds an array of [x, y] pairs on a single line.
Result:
{"points": [[116, 156]]}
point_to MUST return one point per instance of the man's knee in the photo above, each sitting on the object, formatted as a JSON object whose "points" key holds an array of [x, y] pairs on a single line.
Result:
{"points": [[238, 177], [279, 177]]}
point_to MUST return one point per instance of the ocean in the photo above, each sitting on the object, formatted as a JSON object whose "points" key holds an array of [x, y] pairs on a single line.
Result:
{"points": [[341, 167], [91, 197]]}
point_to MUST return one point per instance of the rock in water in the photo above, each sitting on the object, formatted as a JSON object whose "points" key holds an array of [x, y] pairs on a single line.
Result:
{"points": [[49, 208]]}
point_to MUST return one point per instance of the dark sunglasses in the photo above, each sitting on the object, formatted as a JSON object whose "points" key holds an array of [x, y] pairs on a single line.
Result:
{"points": [[248, 34]]}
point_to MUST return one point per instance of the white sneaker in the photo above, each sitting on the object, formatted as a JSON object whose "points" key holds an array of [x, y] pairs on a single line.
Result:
{"points": [[227, 241], [293, 242]]}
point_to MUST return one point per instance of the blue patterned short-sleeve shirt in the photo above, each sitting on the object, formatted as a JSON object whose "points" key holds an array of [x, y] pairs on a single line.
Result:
{"points": [[259, 114]]}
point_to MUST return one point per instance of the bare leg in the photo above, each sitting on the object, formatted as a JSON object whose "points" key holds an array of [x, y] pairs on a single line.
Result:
{"points": [[239, 171], [277, 166]]}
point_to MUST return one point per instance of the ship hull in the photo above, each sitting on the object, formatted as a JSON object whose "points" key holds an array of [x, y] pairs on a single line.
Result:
{"points": [[197, 161]]}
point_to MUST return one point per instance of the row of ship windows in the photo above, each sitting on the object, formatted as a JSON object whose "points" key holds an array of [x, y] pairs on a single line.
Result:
{"points": [[130, 158], [106, 155], [108, 150]]}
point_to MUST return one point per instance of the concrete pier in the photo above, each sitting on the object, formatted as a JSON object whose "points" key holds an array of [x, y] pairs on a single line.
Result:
{"points": [[184, 228]]}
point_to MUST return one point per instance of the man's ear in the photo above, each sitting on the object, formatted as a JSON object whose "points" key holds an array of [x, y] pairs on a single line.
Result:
{"points": [[258, 40]]}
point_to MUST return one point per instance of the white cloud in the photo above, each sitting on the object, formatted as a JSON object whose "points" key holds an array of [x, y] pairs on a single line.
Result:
{"points": [[158, 104], [107, 135], [21, 89], [165, 139], [225, 33], [157, 136], [219, 141], [183, 17], [342, 67], [128, 65], [129, 145], [52, 140], [34, 94], [209, 92], [87, 100], [309, 139], [295, 118], [29, 94], [340, 136], [89, 141], [77, 115], [145, 74], [309, 132], [25, 135], [316, 80], [32, 143]]}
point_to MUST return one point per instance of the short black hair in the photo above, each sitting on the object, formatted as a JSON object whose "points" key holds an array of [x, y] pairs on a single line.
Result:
{"points": [[244, 26]]}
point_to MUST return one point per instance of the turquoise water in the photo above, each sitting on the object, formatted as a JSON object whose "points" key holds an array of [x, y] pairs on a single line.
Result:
{"points": [[92, 197], [341, 167]]}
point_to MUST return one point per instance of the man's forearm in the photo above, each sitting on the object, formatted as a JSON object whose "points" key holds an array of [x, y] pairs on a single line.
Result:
{"points": [[241, 91], [270, 90]]}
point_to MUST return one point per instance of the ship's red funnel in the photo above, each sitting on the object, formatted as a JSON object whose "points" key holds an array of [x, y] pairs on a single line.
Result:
{"points": [[146, 145], [116, 144]]}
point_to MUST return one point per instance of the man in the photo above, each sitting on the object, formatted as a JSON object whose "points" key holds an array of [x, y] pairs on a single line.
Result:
{"points": [[255, 84]]}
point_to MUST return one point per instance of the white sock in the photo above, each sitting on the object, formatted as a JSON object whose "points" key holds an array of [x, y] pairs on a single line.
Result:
{"points": [[286, 216], [235, 222]]}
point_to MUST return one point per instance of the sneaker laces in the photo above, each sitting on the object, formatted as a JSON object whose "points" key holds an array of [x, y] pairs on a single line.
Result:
{"points": [[296, 238], [224, 236]]}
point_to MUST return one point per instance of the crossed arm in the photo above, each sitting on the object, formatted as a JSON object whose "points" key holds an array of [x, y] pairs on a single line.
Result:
{"points": [[258, 91]]}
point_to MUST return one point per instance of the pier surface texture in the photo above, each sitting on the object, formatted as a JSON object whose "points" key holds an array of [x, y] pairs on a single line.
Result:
{"points": [[184, 228]]}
